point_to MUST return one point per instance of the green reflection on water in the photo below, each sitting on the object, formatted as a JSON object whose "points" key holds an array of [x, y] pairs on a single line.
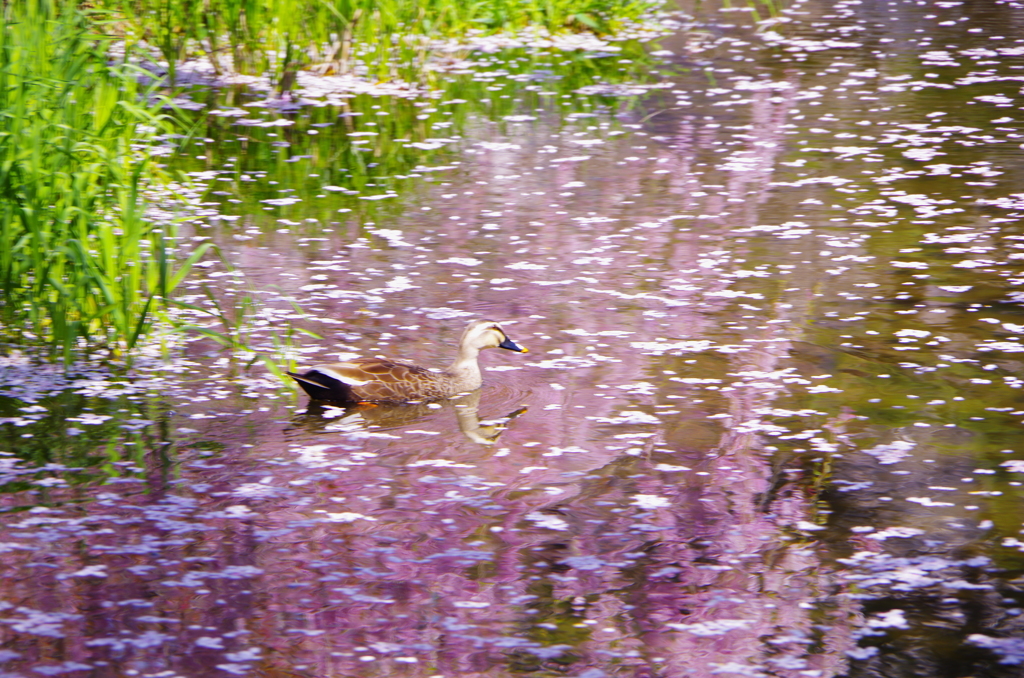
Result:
{"points": [[380, 145]]}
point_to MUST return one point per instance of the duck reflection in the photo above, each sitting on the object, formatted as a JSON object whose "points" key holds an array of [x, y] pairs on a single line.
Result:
{"points": [[320, 416]]}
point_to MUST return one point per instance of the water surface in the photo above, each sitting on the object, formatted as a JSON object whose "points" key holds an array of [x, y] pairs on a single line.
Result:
{"points": [[769, 424]]}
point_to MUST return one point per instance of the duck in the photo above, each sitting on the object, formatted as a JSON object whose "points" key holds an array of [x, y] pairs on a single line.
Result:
{"points": [[377, 380]]}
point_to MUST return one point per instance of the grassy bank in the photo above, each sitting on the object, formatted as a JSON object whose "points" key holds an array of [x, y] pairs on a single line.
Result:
{"points": [[385, 39], [80, 265]]}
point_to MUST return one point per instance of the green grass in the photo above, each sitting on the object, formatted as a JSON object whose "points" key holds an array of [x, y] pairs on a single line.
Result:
{"points": [[386, 38], [80, 265]]}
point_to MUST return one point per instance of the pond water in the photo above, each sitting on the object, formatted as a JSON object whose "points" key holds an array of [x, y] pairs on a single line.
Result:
{"points": [[770, 424]]}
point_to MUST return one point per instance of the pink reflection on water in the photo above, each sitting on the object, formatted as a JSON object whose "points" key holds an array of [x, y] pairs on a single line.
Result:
{"points": [[393, 543]]}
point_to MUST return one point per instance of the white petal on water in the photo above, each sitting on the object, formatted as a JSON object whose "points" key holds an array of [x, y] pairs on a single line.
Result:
{"points": [[499, 146], [547, 521], [399, 284], [345, 517], [1004, 346], [575, 158], [282, 201], [892, 452], [629, 417], [862, 652], [210, 642], [90, 419], [650, 501], [566, 363], [246, 655], [444, 313], [896, 533], [893, 619], [670, 468], [526, 266], [91, 571], [716, 627], [928, 501], [254, 490], [909, 264], [677, 346]]}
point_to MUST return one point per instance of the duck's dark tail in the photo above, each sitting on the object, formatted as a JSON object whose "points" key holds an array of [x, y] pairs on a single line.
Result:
{"points": [[319, 386]]}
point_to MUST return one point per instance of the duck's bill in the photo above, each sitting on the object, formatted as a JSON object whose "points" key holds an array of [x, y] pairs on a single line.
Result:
{"points": [[513, 346]]}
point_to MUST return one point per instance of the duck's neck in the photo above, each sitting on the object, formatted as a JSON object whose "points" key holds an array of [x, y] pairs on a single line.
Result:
{"points": [[465, 368]]}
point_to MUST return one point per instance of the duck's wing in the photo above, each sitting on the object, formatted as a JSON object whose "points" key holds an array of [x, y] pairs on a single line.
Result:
{"points": [[386, 380]]}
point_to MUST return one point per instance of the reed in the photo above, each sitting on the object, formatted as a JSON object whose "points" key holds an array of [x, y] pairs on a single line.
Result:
{"points": [[81, 267], [378, 38]]}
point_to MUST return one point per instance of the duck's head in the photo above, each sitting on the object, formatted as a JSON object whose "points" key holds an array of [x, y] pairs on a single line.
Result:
{"points": [[481, 334]]}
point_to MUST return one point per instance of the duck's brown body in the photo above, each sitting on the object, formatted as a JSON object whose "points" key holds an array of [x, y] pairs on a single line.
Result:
{"points": [[374, 380], [377, 380]]}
